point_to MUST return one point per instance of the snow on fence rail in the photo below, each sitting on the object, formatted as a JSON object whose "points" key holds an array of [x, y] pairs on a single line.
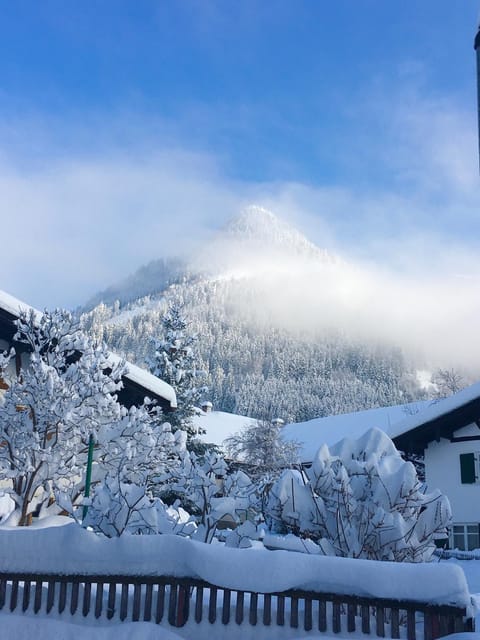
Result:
{"points": [[457, 554], [153, 598], [67, 568]]}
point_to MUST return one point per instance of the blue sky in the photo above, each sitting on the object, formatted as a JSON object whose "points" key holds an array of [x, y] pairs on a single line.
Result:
{"points": [[129, 129]]}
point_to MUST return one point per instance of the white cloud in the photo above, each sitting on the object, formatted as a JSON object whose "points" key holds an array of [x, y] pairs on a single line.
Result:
{"points": [[75, 222], [81, 225]]}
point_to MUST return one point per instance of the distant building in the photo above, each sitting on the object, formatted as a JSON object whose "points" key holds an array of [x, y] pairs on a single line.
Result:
{"points": [[477, 49]]}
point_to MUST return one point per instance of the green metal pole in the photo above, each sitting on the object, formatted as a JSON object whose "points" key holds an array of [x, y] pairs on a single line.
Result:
{"points": [[88, 477]]}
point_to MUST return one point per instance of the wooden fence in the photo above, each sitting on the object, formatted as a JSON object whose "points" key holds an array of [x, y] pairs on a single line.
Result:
{"points": [[178, 600]]}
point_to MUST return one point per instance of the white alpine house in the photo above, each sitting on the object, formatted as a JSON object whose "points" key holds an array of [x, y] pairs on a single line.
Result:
{"points": [[446, 432]]}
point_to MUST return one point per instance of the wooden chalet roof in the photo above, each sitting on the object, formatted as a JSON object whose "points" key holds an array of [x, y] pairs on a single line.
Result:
{"points": [[137, 382], [439, 420]]}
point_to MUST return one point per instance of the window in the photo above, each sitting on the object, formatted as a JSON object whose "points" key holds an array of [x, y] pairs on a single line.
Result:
{"points": [[465, 536], [470, 468]]}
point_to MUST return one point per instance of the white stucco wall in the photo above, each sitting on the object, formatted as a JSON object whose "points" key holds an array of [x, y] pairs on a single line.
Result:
{"points": [[442, 471]]}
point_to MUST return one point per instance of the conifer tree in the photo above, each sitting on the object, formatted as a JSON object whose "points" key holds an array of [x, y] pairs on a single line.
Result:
{"points": [[175, 361]]}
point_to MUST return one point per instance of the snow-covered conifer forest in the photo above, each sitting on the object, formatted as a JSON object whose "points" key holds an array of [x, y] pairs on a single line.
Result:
{"points": [[257, 361]]}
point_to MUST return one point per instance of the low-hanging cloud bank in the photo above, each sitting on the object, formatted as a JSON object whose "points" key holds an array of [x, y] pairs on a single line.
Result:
{"points": [[434, 319], [77, 222]]}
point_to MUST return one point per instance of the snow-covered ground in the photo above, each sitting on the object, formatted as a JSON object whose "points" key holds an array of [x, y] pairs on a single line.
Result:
{"points": [[23, 627]]}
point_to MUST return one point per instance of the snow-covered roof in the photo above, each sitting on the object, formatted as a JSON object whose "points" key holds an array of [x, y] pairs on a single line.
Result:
{"points": [[437, 409], [329, 430], [411, 426], [135, 374], [441, 419], [147, 380], [14, 306], [219, 425]]}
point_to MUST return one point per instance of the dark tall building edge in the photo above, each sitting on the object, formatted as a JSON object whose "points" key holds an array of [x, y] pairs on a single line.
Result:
{"points": [[477, 50]]}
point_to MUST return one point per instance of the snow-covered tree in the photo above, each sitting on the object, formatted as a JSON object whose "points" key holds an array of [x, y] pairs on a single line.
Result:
{"points": [[175, 361], [140, 455], [447, 382], [360, 500], [261, 446], [51, 408]]}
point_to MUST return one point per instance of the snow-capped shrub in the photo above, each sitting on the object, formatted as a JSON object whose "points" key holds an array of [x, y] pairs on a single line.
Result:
{"points": [[138, 453], [206, 488], [119, 507], [241, 537], [360, 500]]}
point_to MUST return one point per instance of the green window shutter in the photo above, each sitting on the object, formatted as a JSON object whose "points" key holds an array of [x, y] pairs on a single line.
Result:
{"points": [[467, 468]]}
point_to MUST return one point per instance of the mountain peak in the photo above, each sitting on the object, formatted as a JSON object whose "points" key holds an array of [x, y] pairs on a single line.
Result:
{"points": [[261, 228], [254, 222]]}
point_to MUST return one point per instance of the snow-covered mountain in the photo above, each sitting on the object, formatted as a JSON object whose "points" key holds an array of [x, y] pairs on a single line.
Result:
{"points": [[151, 278], [279, 323], [256, 244], [253, 244], [259, 228]]}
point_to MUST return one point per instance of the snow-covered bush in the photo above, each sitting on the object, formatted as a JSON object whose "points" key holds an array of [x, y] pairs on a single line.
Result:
{"points": [[205, 488], [261, 446], [137, 453], [360, 500], [119, 507], [50, 409]]}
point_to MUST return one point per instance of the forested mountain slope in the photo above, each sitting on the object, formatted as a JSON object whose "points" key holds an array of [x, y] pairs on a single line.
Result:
{"points": [[260, 299]]}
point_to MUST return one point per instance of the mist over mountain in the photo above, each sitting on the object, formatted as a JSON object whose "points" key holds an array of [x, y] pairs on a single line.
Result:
{"points": [[151, 278], [258, 228], [284, 328]]}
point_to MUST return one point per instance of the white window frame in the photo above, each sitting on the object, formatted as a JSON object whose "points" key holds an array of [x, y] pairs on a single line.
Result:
{"points": [[465, 534]]}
